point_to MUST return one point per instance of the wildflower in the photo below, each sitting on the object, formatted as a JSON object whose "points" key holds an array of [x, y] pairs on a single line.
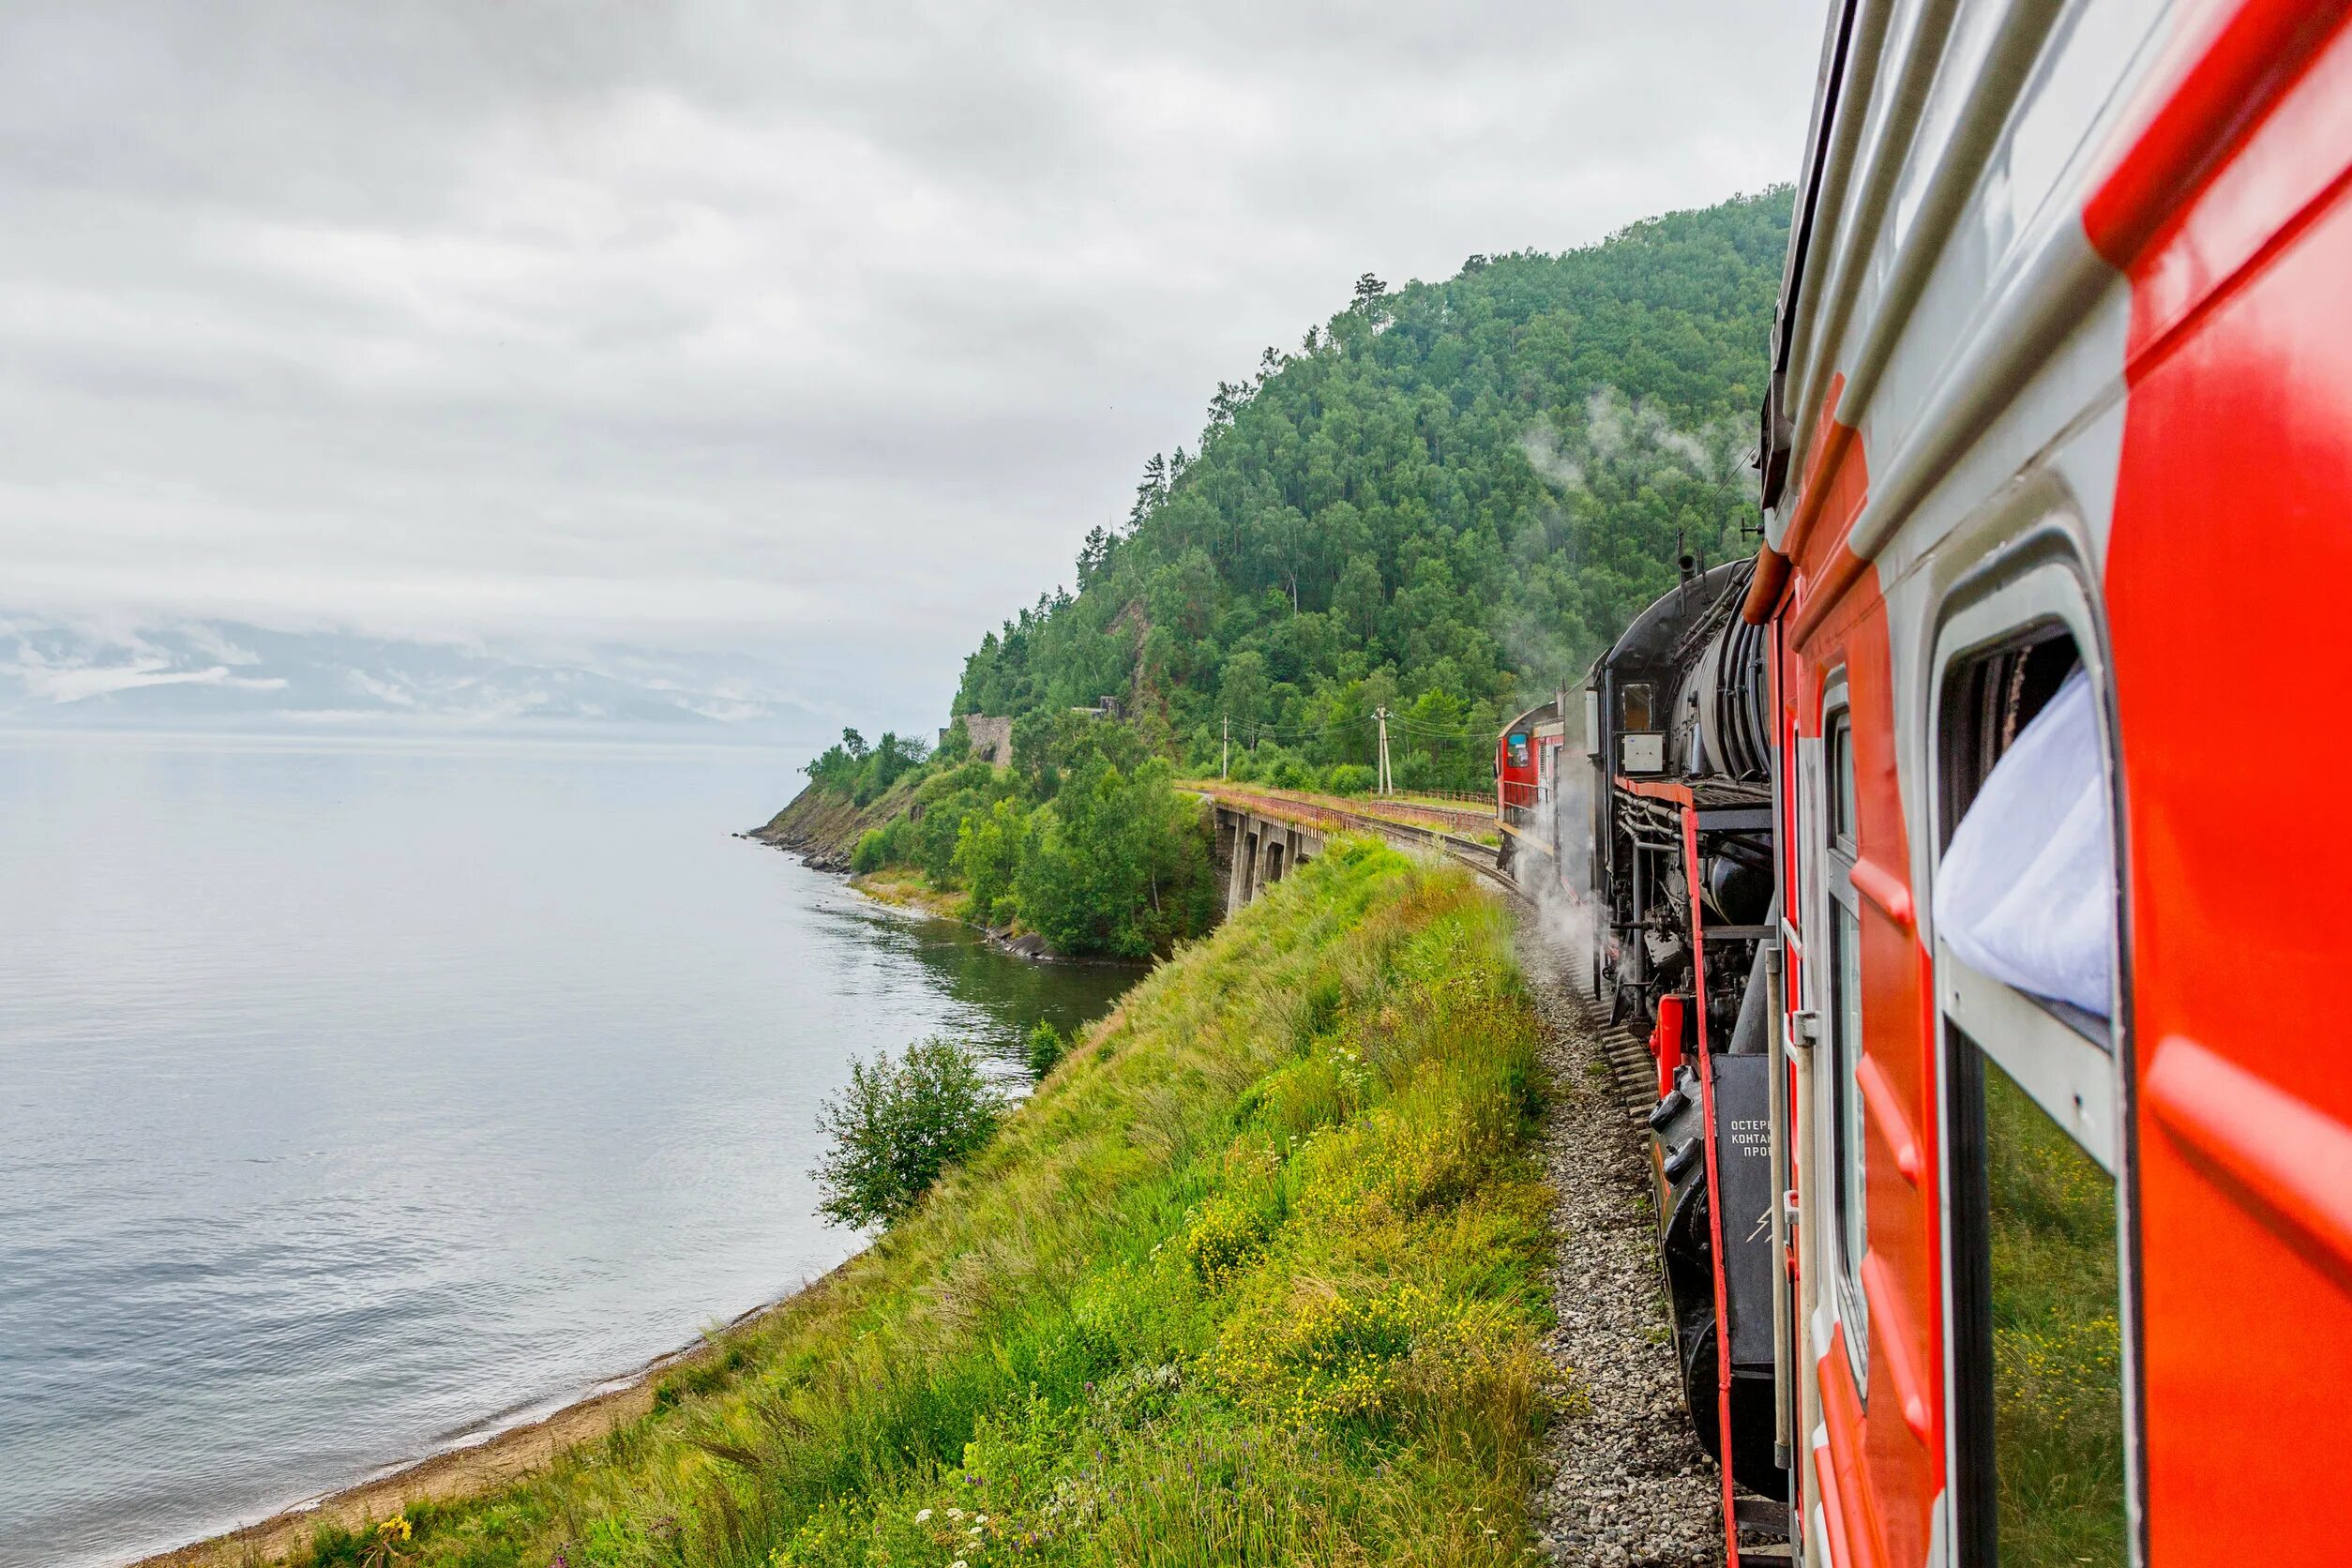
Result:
{"points": [[923, 1516], [959, 1563], [956, 1513]]}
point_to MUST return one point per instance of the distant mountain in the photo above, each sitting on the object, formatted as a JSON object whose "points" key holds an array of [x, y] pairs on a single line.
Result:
{"points": [[223, 674]]}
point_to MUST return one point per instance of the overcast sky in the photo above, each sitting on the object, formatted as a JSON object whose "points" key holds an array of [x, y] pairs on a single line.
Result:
{"points": [[824, 331]]}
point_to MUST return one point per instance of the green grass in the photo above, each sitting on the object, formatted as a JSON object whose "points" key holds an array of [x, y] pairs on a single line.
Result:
{"points": [[1255, 1277]]}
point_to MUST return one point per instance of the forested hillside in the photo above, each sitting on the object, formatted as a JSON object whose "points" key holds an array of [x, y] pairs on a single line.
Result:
{"points": [[1444, 501]]}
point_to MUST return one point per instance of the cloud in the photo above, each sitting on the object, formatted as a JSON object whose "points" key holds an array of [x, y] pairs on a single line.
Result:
{"points": [[170, 674], [824, 330], [60, 683]]}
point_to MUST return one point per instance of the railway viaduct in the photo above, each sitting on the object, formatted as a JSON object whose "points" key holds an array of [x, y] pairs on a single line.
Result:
{"points": [[1260, 838], [1254, 849]]}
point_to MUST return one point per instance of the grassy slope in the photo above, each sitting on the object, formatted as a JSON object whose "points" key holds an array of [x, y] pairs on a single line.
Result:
{"points": [[1253, 1278], [825, 824]]}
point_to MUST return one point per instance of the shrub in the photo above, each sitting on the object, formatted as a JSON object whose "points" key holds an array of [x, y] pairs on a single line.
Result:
{"points": [[873, 850], [898, 1126], [1291, 774], [1045, 1047], [1348, 778]]}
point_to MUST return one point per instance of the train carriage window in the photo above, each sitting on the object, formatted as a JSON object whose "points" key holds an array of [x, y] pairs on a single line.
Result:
{"points": [[1848, 1146], [2024, 915]]}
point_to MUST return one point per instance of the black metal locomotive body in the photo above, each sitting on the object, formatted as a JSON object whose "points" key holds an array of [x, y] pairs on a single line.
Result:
{"points": [[1678, 725]]}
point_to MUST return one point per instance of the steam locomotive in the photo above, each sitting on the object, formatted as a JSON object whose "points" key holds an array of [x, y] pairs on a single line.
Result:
{"points": [[1664, 833], [2005, 1205]]}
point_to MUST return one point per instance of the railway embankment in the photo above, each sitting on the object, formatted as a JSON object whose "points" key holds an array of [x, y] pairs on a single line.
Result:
{"points": [[1258, 1274]]}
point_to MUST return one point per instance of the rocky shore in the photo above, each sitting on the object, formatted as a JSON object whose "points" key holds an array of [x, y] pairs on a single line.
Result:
{"points": [[823, 827]]}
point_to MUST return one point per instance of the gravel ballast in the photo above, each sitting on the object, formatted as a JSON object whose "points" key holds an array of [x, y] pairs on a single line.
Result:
{"points": [[1626, 1482]]}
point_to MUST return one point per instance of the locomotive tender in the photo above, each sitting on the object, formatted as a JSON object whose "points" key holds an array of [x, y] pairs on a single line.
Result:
{"points": [[2004, 1171]]}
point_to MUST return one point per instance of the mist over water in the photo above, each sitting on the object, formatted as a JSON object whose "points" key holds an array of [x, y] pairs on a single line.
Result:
{"points": [[355, 1097]]}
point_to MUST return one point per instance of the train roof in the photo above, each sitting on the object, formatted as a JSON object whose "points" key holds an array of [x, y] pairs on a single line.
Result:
{"points": [[1657, 630], [1532, 716]]}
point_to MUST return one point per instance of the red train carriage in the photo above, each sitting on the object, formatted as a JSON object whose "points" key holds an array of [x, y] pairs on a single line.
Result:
{"points": [[1955, 845], [1526, 773]]}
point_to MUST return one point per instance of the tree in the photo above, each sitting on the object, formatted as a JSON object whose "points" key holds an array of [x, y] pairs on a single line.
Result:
{"points": [[1489, 469], [1094, 556], [1244, 692], [1151, 492], [897, 1127], [989, 854], [1120, 865], [1359, 599]]}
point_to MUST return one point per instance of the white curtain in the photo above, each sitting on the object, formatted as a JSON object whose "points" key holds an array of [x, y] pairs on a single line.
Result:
{"points": [[2026, 891]]}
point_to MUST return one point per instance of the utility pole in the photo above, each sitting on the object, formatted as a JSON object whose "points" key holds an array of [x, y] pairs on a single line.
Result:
{"points": [[1381, 713], [1225, 758]]}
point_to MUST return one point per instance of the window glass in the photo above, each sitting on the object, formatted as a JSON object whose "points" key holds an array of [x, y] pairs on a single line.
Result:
{"points": [[1854, 1231], [1633, 707], [1841, 768], [2056, 1340]]}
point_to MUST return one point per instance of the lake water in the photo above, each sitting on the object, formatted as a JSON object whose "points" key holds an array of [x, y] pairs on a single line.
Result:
{"points": [[354, 1099]]}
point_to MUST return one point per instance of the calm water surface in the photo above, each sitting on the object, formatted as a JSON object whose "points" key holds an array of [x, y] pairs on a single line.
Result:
{"points": [[355, 1099]]}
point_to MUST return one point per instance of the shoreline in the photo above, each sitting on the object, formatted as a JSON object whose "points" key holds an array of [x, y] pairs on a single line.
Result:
{"points": [[924, 902], [471, 1465]]}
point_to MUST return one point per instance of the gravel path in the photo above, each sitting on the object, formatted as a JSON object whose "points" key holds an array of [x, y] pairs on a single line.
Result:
{"points": [[1628, 1484]]}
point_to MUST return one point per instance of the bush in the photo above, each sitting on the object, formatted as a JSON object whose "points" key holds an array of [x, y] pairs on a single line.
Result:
{"points": [[873, 850], [1045, 1047], [1291, 774], [898, 1126], [1348, 778]]}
